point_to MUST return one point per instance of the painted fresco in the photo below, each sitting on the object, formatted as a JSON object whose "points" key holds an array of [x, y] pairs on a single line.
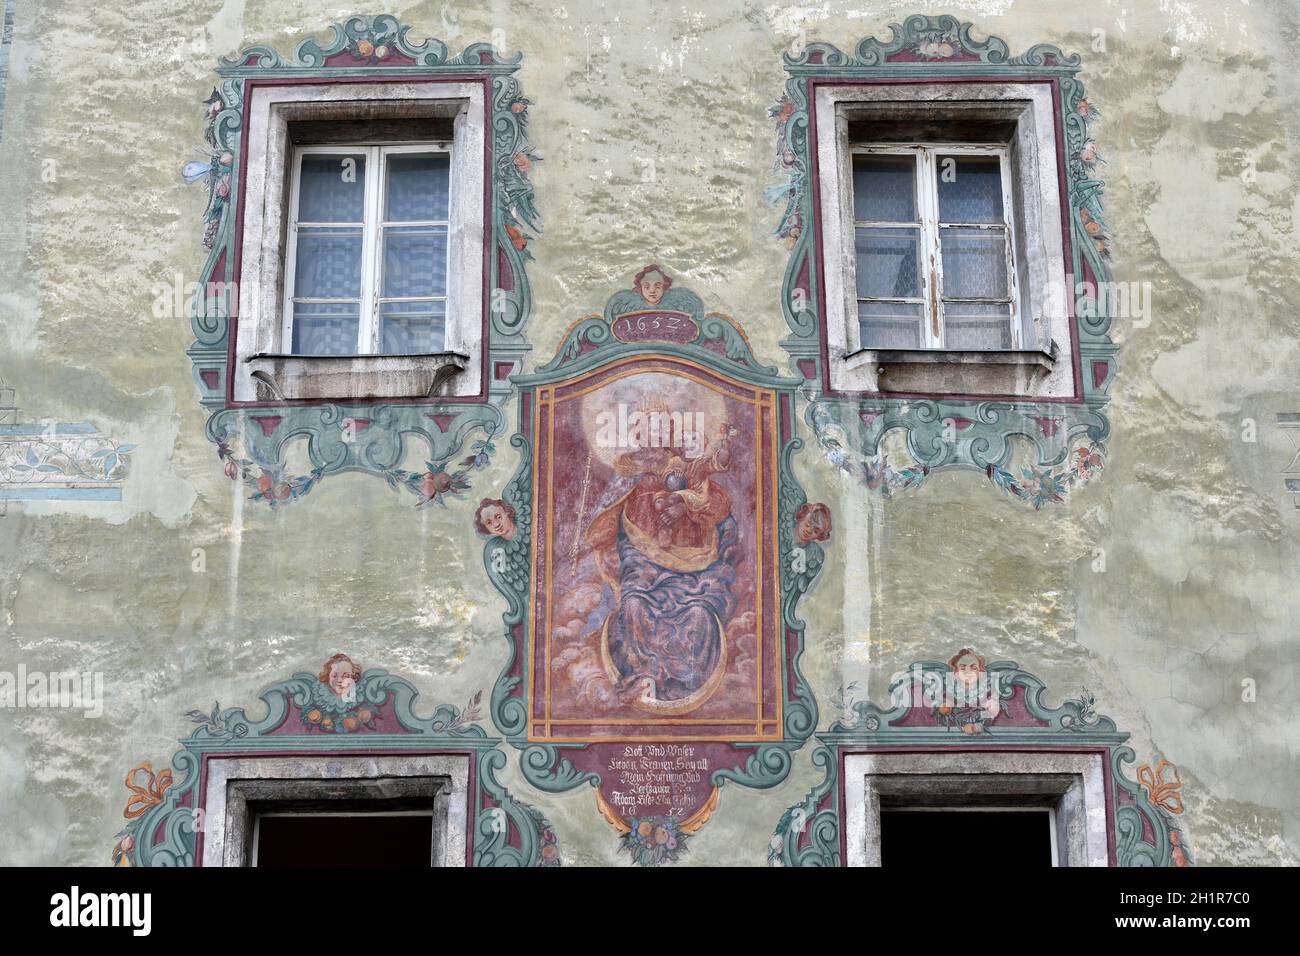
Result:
{"points": [[1034, 452], [653, 547], [324, 712], [970, 705], [658, 568], [254, 439]]}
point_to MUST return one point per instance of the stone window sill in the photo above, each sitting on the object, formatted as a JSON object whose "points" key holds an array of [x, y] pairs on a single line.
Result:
{"points": [[940, 372], [353, 377]]}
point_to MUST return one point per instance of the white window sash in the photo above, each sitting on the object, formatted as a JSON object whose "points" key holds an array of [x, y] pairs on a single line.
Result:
{"points": [[372, 272], [926, 184]]}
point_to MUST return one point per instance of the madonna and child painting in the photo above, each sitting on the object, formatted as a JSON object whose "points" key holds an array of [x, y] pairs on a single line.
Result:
{"points": [[656, 555]]}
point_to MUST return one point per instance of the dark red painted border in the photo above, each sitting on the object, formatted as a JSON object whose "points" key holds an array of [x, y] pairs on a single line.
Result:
{"points": [[1067, 246], [251, 86]]}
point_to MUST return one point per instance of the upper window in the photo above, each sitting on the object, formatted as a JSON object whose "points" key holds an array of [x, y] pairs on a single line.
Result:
{"points": [[934, 253], [362, 268], [942, 237], [367, 256]]}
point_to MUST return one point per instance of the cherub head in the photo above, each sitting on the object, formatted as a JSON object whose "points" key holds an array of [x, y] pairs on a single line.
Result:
{"points": [[495, 517], [968, 666], [652, 282], [812, 522], [340, 674]]}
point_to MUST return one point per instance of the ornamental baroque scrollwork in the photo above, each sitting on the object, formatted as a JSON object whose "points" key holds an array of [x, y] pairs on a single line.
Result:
{"points": [[653, 547], [339, 710], [967, 705], [1034, 452], [368, 437]]}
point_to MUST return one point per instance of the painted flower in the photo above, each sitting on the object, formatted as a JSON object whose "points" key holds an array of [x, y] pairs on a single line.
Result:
{"points": [[226, 159], [645, 829], [1090, 155], [661, 836], [327, 723], [313, 716], [365, 48], [1088, 461], [265, 483], [382, 51], [787, 110], [523, 163], [550, 851], [517, 238], [350, 723], [365, 714], [223, 187], [232, 470], [518, 106]]}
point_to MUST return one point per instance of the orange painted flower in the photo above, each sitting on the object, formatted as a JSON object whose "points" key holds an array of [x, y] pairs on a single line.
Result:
{"points": [[516, 237], [350, 723], [365, 48], [265, 483], [645, 828], [365, 714], [523, 163], [550, 851], [147, 789], [313, 716], [661, 836], [327, 724]]}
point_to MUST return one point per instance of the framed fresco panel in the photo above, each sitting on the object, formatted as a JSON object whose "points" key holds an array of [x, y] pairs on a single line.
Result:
{"points": [[653, 545]]}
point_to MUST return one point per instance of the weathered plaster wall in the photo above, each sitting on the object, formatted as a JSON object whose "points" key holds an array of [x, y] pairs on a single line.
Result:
{"points": [[656, 143]]}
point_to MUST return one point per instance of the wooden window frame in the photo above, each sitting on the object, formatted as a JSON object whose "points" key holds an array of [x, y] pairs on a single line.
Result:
{"points": [[932, 298], [373, 225]]}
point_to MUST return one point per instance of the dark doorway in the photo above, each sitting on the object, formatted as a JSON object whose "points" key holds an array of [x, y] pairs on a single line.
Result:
{"points": [[966, 840], [344, 840]]}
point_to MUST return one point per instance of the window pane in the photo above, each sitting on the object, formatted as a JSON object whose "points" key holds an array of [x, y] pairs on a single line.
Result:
{"points": [[415, 261], [884, 188], [328, 263], [888, 262], [331, 189], [329, 328], [970, 188], [975, 325], [412, 327], [974, 263], [418, 186], [890, 325]]}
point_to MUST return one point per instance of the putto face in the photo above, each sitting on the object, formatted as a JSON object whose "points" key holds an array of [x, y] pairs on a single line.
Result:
{"points": [[968, 671], [652, 288], [341, 679], [496, 521]]}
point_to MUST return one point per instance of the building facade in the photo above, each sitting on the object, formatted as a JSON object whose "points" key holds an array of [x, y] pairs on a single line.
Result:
{"points": [[749, 435]]}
